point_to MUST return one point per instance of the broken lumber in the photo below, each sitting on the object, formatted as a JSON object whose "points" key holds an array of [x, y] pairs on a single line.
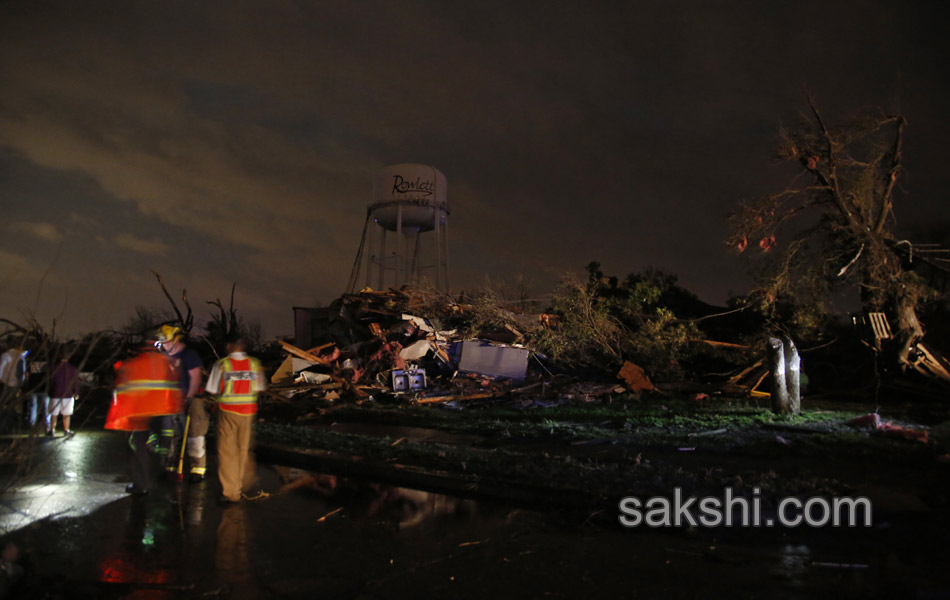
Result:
{"points": [[434, 399], [320, 347], [726, 344], [930, 365], [303, 354]]}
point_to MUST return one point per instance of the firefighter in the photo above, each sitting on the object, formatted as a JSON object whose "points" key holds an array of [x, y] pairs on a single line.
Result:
{"points": [[235, 380], [171, 340], [146, 391]]}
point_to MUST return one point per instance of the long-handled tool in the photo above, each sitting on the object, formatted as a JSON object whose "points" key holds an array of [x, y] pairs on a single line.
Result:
{"points": [[184, 442]]}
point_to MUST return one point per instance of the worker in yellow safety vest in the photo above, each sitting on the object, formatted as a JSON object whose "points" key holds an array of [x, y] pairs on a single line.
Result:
{"points": [[235, 381]]}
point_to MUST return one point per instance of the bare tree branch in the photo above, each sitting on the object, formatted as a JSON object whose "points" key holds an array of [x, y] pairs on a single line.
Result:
{"points": [[186, 321], [832, 179], [886, 203]]}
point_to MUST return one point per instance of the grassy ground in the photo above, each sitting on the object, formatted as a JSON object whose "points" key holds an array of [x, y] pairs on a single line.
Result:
{"points": [[627, 445]]}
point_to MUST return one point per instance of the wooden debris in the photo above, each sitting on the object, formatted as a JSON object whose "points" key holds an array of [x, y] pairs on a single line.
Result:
{"points": [[726, 345], [320, 347], [329, 514], [748, 380], [302, 353], [930, 365], [435, 399]]}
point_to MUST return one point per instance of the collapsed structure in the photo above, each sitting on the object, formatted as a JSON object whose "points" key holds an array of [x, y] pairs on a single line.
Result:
{"points": [[374, 344]]}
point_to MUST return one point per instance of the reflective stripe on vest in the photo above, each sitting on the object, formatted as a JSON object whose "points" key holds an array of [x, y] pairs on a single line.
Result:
{"points": [[146, 386], [237, 386]]}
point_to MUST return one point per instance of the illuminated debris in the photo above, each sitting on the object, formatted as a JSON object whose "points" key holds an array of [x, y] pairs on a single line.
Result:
{"points": [[874, 422], [635, 378], [493, 360]]}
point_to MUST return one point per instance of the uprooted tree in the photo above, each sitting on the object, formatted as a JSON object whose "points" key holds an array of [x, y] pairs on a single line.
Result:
{"points": [[833, 226], [605, 321]]}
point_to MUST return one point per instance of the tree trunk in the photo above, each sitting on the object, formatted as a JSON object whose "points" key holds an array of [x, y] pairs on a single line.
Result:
{"points": [[780, 404], [793, 369]]}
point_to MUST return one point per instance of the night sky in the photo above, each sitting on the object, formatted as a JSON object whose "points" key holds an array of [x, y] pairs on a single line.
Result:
{"points": [[222, 142]]}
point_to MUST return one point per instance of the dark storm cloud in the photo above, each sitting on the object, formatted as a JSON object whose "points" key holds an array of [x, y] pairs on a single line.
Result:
{"points": [[238, 142]]}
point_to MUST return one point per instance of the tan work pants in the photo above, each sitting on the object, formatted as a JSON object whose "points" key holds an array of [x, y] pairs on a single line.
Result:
{"points": [[234, 445], [197, 430]]}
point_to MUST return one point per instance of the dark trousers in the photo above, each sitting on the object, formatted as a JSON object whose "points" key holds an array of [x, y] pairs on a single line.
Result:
{"points": [[170, 429], [138, 459]]}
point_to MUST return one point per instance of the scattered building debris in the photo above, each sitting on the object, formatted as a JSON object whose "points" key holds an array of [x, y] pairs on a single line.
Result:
{"points": [[495, 360], [635, 378], [375, 344], [748, 380], [874, 422]]}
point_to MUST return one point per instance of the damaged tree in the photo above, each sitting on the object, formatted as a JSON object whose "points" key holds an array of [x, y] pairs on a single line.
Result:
{"points": [[785, 364], [187, 320], [606, 321], [833, 227]]}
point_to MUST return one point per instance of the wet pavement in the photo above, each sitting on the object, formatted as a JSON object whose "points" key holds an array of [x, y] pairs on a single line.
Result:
{"points": [[313, 535]]}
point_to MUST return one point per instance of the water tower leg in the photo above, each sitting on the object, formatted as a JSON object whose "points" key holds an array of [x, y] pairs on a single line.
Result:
{"points": [[436, 227], [444, 258], [400, 267], [368, 248], [414, 265], [381, 260]]}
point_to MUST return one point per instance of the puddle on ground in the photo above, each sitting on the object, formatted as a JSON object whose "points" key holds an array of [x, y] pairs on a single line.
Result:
{"points": [[367, 501], [320, 535]]}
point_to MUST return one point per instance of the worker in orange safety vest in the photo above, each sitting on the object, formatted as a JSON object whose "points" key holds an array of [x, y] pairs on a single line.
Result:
{"points": [[235, 381], [146, 391]]}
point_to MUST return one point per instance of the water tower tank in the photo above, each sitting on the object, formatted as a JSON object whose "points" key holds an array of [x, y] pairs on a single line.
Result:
{"points": [[411, 193], [405, 236]]}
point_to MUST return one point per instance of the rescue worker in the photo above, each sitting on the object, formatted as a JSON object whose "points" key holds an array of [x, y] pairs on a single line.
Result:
{"points": [[235, 380], [171, 340], [146, 391]]}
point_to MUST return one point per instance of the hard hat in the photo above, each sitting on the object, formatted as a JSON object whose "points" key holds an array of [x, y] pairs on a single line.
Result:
{"points": [[169, 333]]}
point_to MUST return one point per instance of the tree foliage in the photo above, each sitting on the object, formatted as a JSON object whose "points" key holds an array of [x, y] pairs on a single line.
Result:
{"points": [[832, 226], [605, 321]]}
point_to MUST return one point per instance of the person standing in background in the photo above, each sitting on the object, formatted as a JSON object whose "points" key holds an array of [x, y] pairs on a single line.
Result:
{"points": [[64, 388]]}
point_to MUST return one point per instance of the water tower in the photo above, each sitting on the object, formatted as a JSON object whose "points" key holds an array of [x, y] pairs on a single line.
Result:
{"points": [[405, 236]]}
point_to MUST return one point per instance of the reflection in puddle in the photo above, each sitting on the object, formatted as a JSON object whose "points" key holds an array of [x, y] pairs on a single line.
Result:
{"points": [[402, 507], [793, 561], [135, 562]]}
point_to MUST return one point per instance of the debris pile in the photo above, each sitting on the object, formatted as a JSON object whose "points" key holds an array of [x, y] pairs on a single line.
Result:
{"points": [[378, 345]]}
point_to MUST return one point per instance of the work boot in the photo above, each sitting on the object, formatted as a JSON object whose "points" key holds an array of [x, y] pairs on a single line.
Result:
{"points": [[196, 478]]}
